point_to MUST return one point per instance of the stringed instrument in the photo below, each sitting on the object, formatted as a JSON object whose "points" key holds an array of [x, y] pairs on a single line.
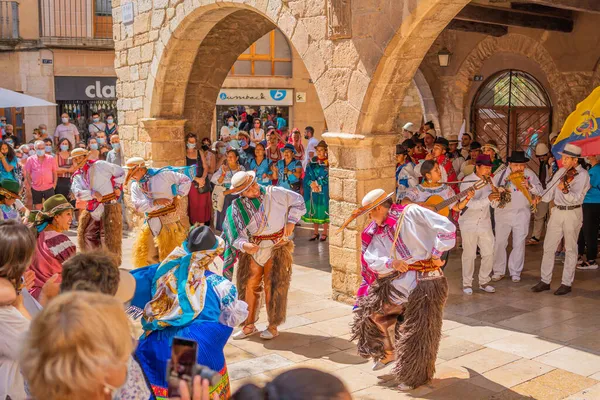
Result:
{"points": [[442, 206]]}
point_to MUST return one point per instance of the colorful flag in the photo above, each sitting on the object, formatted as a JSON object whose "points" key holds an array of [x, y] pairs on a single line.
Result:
{"points": [[583, 123]]}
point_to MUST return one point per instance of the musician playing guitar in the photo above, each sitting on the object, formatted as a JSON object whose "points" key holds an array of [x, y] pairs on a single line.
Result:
{"points": [[567, 189]]}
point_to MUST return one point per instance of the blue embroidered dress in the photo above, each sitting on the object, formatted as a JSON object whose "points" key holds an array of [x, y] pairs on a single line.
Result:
{"points": [[288, 180], [317, 203]]}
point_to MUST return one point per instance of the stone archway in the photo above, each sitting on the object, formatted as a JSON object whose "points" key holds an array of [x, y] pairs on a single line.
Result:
{"points": [[430, 111]]}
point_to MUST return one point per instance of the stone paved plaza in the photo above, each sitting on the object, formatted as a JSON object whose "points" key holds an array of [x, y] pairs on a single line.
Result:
{"points": [[512, 344]]}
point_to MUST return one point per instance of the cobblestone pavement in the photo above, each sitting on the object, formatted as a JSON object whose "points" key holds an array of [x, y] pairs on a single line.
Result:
{"points": [[512, 344]]}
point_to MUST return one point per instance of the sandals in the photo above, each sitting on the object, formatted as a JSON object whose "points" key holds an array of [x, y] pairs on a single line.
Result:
{"points": [[244, 333], [323, 237], [314, 237]]}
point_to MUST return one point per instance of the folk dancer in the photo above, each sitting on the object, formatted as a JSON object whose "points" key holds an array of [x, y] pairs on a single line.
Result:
{"points": [[476, 229], [156, 192], [11, 206], [523, 184], [567, 189], [547, 164], [99, 183], [400, 266], [405, 172], [256, 228], [316, 192]]}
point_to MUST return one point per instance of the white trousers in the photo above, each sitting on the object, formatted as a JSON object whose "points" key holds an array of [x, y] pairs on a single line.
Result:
{"points": [[517, 222], [563, 223], [473, 237], [539, 219]]}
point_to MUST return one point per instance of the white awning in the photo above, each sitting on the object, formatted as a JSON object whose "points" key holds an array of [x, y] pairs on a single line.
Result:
{"points": [[9, 99]]}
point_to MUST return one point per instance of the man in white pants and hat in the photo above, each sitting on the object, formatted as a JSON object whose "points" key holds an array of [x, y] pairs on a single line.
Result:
{"points": [[567, 189]]}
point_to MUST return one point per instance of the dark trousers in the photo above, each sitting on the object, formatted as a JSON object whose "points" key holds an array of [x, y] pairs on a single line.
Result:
{"points": [[588, 237]]}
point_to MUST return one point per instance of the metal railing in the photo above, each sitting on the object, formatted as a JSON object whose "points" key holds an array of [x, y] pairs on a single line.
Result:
{"points": [[76, 19], [9, 20]]}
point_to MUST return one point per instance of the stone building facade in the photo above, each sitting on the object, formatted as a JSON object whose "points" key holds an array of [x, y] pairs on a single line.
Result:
{"points": [[364, 58]]}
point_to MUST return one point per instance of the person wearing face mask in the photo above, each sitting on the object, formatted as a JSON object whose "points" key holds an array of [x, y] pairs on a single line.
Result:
{"points": [[220, 153], [111, 127], [114, 156], [96, 126], [101, 139], [200, 203], [209, 156], [257, 134], [246, 151], [66, 130], [94, 153], [229, 131], [65, 169], [156, 192], [41, 172], [43, 130], [100, 184], [48, 146]]}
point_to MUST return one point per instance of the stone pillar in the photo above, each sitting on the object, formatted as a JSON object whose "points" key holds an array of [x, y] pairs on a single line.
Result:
{"points": [[358, 164], [161, 142]]}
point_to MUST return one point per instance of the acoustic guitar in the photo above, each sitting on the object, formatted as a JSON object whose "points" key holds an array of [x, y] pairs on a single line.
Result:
{"points": [[442, 206]]}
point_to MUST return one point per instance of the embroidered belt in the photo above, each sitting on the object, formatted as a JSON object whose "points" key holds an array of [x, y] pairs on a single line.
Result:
{"points": [[171, 208], [108, 198], [423, 266], [273, 236], [568, 208]]}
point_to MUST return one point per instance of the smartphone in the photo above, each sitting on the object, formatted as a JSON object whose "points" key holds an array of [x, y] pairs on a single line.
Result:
{"points": [[182, 365]]}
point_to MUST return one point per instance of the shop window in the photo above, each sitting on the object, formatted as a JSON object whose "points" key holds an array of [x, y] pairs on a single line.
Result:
{"points": [[270, 55], [80, 112], [15, 116]]}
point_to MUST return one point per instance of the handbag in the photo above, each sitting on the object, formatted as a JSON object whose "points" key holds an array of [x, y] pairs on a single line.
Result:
{"points": [[203, 189], [218, 197]]}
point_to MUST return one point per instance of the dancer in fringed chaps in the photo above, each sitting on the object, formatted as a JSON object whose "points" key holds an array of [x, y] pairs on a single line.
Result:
{"points": [[256, 230], [100, 184], [402, 279]]}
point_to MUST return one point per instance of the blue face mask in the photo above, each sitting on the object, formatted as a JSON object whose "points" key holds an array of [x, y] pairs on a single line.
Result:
{"points": [[2, 123], [109, 120], [40, 152], [191, 145], [96, 119], [64, 147], [116, 146], [48, 149], [10, 143], [94, 146], [101, 140], [243, 143]]}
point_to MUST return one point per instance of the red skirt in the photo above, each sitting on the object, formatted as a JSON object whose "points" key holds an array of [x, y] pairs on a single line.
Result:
{"points": [[199, 206]]}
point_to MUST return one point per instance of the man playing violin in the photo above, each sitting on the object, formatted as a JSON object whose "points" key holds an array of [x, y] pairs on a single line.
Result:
{"points": [[567, 189]]}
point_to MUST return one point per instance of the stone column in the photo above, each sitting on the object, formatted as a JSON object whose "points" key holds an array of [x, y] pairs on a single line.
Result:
{"points": [[358, 164], [161, 142]]}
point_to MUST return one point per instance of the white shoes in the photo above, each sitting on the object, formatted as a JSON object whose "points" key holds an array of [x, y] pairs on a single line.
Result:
{"points": [[267, 335], [487, 288], [239, 335], [516, 279], [404, 388], [468, 291], [497, 278], [587, 266]]}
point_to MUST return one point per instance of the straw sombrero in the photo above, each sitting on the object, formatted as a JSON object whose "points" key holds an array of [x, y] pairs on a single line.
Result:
{"points": [[371, 200]]}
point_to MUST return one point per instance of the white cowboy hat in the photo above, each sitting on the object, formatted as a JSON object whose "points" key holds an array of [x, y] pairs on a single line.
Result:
{"points": [[371, 200], [408, 127], [571, 150], [241, 181], [541, 149]]}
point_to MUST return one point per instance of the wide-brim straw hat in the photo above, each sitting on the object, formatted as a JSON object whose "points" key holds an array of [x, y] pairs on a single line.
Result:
{"points": [[135, 162], [571, 150], [371, 200], [78, 152], [241, 181]]}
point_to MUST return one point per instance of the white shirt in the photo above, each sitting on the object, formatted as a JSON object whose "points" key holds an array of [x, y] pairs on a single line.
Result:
{"points": [[279, 206], [518, 200], [477, 214], [423, 233], [577, 189], [417, 170], [311, 147], [13, 328], [159, 186], [97, 179], [407, 172], [256, 135], [96, 127]]}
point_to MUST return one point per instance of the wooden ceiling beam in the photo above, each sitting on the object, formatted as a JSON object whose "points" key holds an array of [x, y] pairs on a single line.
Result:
{"points": [[477, 27], [592, 6], [508, 17], [541, 9]]}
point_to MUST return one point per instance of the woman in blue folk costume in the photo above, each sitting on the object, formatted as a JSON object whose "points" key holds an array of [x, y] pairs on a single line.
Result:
{"points": [[261, 165], [182, 297], [288, 171], [316, 192]]}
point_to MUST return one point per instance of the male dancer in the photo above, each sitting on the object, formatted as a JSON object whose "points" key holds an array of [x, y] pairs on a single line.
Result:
{"points": [[401, 273], [566, 218], [257, 228], [156, 192], [100, 184]]}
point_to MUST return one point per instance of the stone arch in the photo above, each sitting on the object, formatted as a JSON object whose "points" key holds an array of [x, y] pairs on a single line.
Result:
{"points": [[400, 61], [525, 46], [430, 111]]}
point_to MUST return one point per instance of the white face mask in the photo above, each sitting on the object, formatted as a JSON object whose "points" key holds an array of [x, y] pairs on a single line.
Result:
{"points": [[64, 120]]}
